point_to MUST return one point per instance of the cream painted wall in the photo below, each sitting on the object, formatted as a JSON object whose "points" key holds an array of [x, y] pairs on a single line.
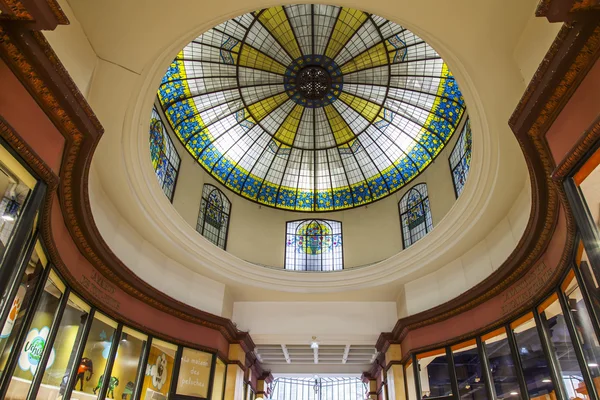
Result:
{"points": [[472, 267], [145, 260], [533, 44], [74, 49], [257, 233], [332, 322], [156, 241]]}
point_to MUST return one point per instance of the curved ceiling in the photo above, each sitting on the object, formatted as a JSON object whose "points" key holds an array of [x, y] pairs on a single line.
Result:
{"points": [[311, 107]]}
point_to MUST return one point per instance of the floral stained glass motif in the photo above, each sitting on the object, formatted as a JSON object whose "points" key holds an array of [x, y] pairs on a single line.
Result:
{"points": [[314, 245], [415, 214], [165, 159], [311, 107], [460, 159], [213, 220]]}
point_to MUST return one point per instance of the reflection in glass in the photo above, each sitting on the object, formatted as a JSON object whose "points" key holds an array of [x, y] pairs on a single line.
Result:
{"points": [[158, 371], [35, 342], [533, 360], [219, 380], [13, 193], [561, 342], [468, 372], [69, 332], [95, 354], [502, 366], [435, 375], [125, 367], [20, 306], [585, 330], [410, 382]]}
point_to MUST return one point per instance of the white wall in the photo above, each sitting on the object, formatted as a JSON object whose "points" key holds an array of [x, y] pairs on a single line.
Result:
{"points": [[332, 322], [472, 267], [74, 49], [536, 38], [257, 233]]}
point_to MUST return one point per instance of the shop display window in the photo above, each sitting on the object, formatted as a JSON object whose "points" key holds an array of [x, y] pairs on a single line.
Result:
{"points": [[588, 180], [434, 374], [159, 371], [533, 360], [219, 380], [30, 355], [585, 331], [502, 367], [194, 375], [15, 185], [95, 355], [467, 364], [125, 368], [20, 306], [562, 344], [410, 381], [69, 334]]}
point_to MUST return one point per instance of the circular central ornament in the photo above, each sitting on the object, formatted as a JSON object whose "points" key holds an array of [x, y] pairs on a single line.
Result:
{"points": [[313, 81]]}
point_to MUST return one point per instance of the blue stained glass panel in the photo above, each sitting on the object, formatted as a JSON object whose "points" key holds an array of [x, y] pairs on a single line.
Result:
{"points": [[163, 155]]}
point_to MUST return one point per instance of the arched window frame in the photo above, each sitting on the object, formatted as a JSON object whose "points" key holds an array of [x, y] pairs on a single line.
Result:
{"points": [[296, 256], [211, 197], [411, 235], [163, 155], [460, 159]]}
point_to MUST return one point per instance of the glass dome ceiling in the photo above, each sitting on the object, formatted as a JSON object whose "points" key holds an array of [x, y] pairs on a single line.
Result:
{"points": [[311, 107]]}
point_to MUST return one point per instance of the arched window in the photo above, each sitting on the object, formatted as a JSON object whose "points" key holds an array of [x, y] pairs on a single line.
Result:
{"points": [[213, 221], [415, 214], [165, 159], [460, 159], [314, 245]]}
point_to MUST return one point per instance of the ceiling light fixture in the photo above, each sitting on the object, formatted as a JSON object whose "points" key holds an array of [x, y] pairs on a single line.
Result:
{"points": [[546, 380], [314, 344], [513, 393], [592, 364]]}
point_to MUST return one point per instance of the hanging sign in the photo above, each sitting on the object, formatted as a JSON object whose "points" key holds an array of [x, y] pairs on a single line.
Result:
{"points": [[194, 373]]}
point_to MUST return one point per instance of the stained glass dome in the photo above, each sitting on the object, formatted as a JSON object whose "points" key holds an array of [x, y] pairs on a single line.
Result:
{"points": [[311, 107]]}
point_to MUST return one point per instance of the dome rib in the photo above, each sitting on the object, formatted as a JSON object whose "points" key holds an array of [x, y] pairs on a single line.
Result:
{"points": [[350, 123]]}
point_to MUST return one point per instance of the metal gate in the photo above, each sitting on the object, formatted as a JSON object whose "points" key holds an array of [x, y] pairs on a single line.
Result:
{"points": [[319, 388]]}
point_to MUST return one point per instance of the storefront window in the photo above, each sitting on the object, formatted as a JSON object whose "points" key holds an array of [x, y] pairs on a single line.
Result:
{"points": [[15, 186], [32, 349], [126, 365], [159, 371], [561, 342], [533, 360], [585, 330], [434, 374], [471, 385], [588, 179], [69, 333], [20, 305], [95, 355], [219, 381], [502, 367]]}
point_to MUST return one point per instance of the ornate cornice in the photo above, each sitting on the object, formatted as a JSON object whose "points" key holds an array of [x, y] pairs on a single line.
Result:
{"points": [[33, 61], [39, 167], [573, 53], [583, 146]]}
